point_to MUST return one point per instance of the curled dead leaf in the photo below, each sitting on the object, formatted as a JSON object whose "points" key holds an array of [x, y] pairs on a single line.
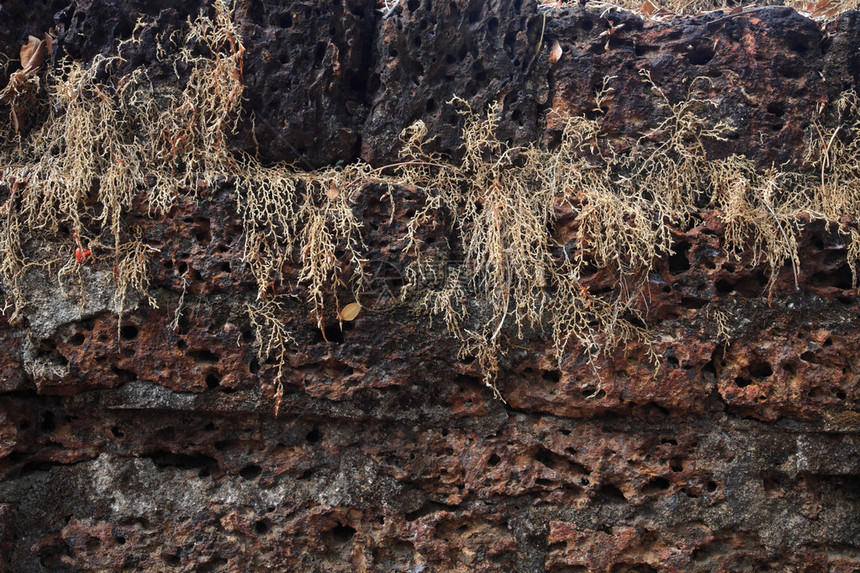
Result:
{"points": [[349, 312], [826, 8], [333, 192], [555, 53], [20, 93], [33, 52], [28, 49]]}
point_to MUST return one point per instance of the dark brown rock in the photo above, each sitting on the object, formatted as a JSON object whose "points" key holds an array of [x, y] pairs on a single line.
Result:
{"points": [[428, 52], [21, 19], [722, 58], [306, 77]]}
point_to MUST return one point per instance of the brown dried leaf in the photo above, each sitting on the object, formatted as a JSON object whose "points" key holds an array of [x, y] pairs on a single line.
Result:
{"points": [[28, 49], [647, 7], [349, 312], [37, 54], [555, 53], [828, 8]]}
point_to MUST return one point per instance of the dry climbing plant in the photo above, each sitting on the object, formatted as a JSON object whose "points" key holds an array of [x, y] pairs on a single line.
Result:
{"points": [[190, 142], [121, 137], [836, 190], [501, 216], [501, 200], [85, 144]]}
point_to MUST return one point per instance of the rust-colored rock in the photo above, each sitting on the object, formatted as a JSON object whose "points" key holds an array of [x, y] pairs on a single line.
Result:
{"points": [[727, 441]]}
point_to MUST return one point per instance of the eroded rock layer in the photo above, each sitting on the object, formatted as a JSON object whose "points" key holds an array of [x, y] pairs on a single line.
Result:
{"points": [[153, 444]]}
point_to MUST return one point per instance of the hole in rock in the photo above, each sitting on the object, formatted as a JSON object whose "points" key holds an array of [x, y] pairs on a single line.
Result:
{"points": [[643, 49], [202, 231], [724, 286], [759, 369], [333, 333], [700, 55], [656, 485], [776, 108], [474, 12], [678, 263], [319, 52], [798, 45], [124, 375], [840, 278], [313, 436], [509, 41], [182, 461], [212, 381], [342, 533], [48, 423], [204, 356], [772, 482], [611, 494], [551, 376], [250, 471]]}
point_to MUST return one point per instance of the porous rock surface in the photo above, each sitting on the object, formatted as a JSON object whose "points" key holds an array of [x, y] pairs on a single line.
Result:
{"points": [[152, 444]]}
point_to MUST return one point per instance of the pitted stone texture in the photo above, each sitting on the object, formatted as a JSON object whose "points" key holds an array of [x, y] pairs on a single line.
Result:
{"points": [[725, 441], [759, 70], [427, 52], [90, 27], [306, 74], [518, 493]]}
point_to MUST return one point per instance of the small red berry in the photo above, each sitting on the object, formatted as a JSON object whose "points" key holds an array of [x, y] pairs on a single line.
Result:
{"points": [[81, 255]]}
